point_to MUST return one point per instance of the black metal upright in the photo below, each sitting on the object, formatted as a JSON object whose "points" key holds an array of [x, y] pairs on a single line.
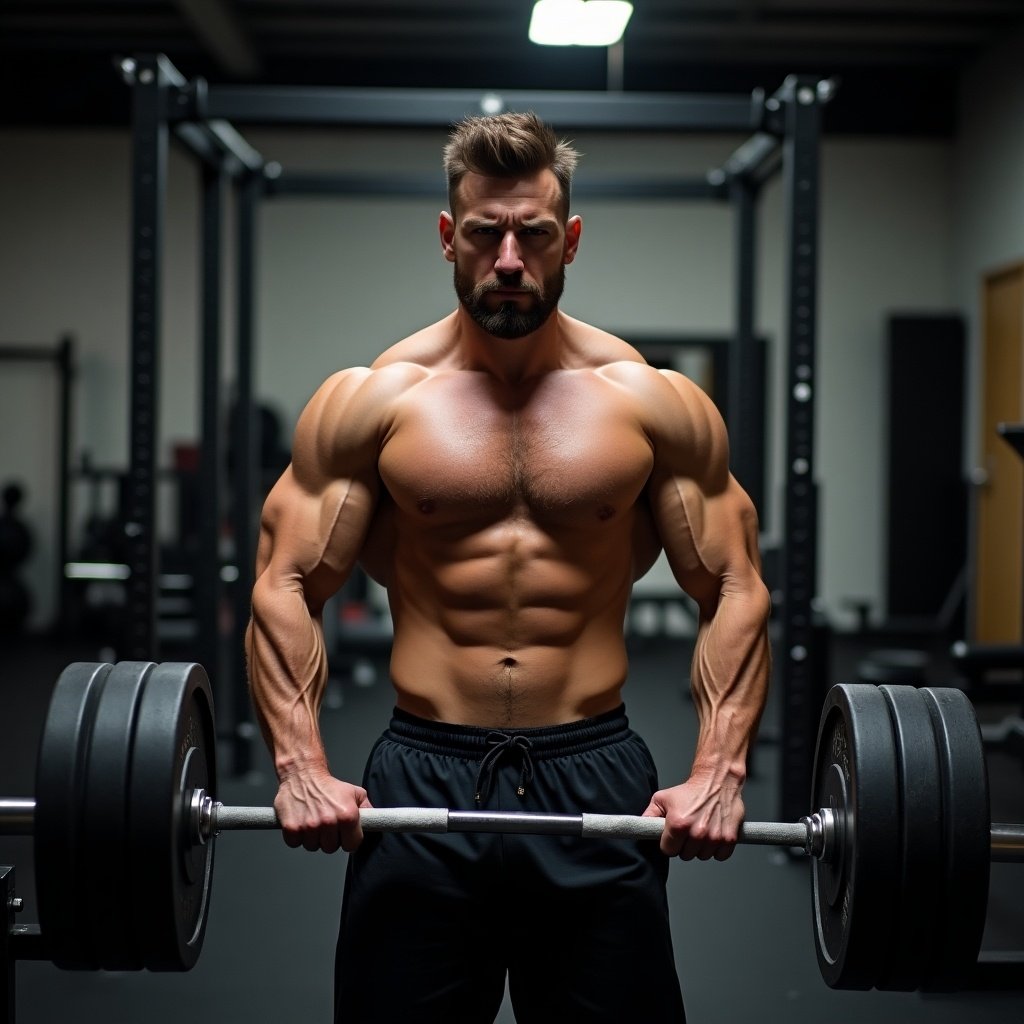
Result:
{"points": [[244, 476], [149, 186], [8, 981], [211, 453], [746, 445], [66, 365], [798, 662]]}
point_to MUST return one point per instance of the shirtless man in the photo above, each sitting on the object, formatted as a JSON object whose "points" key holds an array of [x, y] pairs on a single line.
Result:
{"points": [[506, 474]]}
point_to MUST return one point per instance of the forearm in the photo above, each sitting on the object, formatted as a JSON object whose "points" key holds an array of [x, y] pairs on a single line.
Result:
{"points": [[729, 680], [287, 664]]}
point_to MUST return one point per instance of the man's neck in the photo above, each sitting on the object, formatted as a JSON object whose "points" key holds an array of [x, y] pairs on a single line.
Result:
{"points": [[511, 360]]}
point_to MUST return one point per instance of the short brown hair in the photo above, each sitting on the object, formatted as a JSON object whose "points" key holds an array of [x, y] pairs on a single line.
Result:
{"points": [[508, 146]]}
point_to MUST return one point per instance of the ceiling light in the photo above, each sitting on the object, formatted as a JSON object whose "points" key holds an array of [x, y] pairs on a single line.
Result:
{"points": [[579, 22]]}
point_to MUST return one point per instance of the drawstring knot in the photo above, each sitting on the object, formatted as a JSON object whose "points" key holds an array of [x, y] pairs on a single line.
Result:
{"points": [[500, 744]]}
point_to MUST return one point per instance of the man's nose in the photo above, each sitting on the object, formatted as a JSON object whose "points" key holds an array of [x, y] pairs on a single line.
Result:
{"points": [[509, 260]]}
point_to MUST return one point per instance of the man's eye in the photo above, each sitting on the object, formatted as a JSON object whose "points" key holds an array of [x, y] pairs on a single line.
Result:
{"points": [[534, 231], [485, 231]]}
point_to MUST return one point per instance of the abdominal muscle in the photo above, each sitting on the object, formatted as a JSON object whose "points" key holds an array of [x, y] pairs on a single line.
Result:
{"points": [[511, 626]]}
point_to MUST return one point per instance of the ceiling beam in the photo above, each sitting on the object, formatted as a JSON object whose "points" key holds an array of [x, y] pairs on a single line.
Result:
{"points": [[370, 28]]}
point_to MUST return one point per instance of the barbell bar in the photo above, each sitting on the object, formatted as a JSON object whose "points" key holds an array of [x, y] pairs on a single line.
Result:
{"points": [[126, 787], [208, 818], [814, 834], [211, 817]]}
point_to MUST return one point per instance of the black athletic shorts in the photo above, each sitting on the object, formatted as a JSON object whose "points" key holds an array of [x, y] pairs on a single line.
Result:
{"points": [[431, 924]]}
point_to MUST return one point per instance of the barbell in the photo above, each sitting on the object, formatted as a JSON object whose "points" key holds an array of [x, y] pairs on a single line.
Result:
{"points": [[125, 821]]}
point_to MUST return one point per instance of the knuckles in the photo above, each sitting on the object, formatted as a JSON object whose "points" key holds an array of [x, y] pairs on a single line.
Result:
{"points": [[320, 825]]}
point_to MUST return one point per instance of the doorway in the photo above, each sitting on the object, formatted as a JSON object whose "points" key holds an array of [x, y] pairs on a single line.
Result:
{"points": [[999, 494]]}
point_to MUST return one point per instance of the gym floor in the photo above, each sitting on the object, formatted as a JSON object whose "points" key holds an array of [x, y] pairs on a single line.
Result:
{"points": [[742, 929]]}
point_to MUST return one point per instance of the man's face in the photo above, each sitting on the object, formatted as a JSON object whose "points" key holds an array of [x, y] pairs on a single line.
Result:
{"points": [[510, 247]]}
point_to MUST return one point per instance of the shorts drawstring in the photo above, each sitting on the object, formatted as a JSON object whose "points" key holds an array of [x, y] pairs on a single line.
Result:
{"points": [[501, 743]]}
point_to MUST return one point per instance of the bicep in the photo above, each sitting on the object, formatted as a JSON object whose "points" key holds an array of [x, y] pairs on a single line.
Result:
{"points": [[311, 539], [706, 521], [318, 513], [710, 538]]}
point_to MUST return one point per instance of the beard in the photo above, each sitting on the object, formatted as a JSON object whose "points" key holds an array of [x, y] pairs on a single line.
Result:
{"points": [[507, 320]]}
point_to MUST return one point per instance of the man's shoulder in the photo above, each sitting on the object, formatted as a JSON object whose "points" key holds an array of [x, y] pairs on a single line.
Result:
{"points": [[595, 348], [368, 385], [423, 349], [663, 388], [619, 361], [373, 390], [358, 403], [672, 409], [393, 372]]}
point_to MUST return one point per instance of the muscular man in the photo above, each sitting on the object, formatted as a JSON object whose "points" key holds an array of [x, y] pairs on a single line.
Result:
{"points": [[506, 474]]}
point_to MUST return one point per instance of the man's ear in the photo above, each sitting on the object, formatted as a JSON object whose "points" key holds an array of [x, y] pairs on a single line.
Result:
{"points": [[573, 230], [446, 229]]}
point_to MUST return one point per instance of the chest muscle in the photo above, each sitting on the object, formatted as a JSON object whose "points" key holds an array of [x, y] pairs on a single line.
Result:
{"points": [[566, 452]]}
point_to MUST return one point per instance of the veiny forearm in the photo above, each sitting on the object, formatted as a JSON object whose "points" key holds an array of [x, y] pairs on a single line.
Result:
{"points": [[729, 679], [287, 674]]}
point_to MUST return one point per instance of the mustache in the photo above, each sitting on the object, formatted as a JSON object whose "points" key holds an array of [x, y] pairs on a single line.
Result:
{"points": [[501, 283]]}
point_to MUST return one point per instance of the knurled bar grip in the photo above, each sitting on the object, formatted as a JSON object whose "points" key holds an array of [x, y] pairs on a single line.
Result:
{"points": [[373, 819], [440, 819]]}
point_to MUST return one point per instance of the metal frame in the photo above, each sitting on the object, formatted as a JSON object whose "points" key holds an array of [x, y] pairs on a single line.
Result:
{"points": [[246, 472], [153, 82], [207, 585], [8, 994], [747, 447], [279, 183], [785, 133], [801, 659], [159, 91], [658, 112]]}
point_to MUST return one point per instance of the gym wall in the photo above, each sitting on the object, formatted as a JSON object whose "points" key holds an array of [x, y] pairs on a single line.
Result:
{"points": [[341, 279], [988, 208]]}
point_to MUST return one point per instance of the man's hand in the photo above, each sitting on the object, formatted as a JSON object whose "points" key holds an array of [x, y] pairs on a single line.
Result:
{"points": [[320, 812], [702, 816]]}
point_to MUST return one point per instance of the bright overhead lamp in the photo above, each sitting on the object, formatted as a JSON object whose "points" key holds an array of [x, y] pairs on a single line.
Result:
{"points": [[579, 22]]}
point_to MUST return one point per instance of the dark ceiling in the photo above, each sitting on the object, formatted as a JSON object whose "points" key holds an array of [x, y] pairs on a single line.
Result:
{"points": [[898, 61]]}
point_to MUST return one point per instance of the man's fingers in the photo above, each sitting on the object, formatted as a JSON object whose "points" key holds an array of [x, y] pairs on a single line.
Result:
{"points": [[328, 834], [698, 844], [322, 816], [697, 839]]}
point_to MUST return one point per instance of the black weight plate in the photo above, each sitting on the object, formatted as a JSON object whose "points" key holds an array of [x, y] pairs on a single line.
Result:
{"points": [[852, 901], [62, 885], [920, 840], [106, 856], [967, 823], [173, 752]]}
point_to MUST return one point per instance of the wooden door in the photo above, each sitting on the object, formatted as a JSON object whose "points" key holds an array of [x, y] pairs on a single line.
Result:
{"points": [[999, 519]]}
